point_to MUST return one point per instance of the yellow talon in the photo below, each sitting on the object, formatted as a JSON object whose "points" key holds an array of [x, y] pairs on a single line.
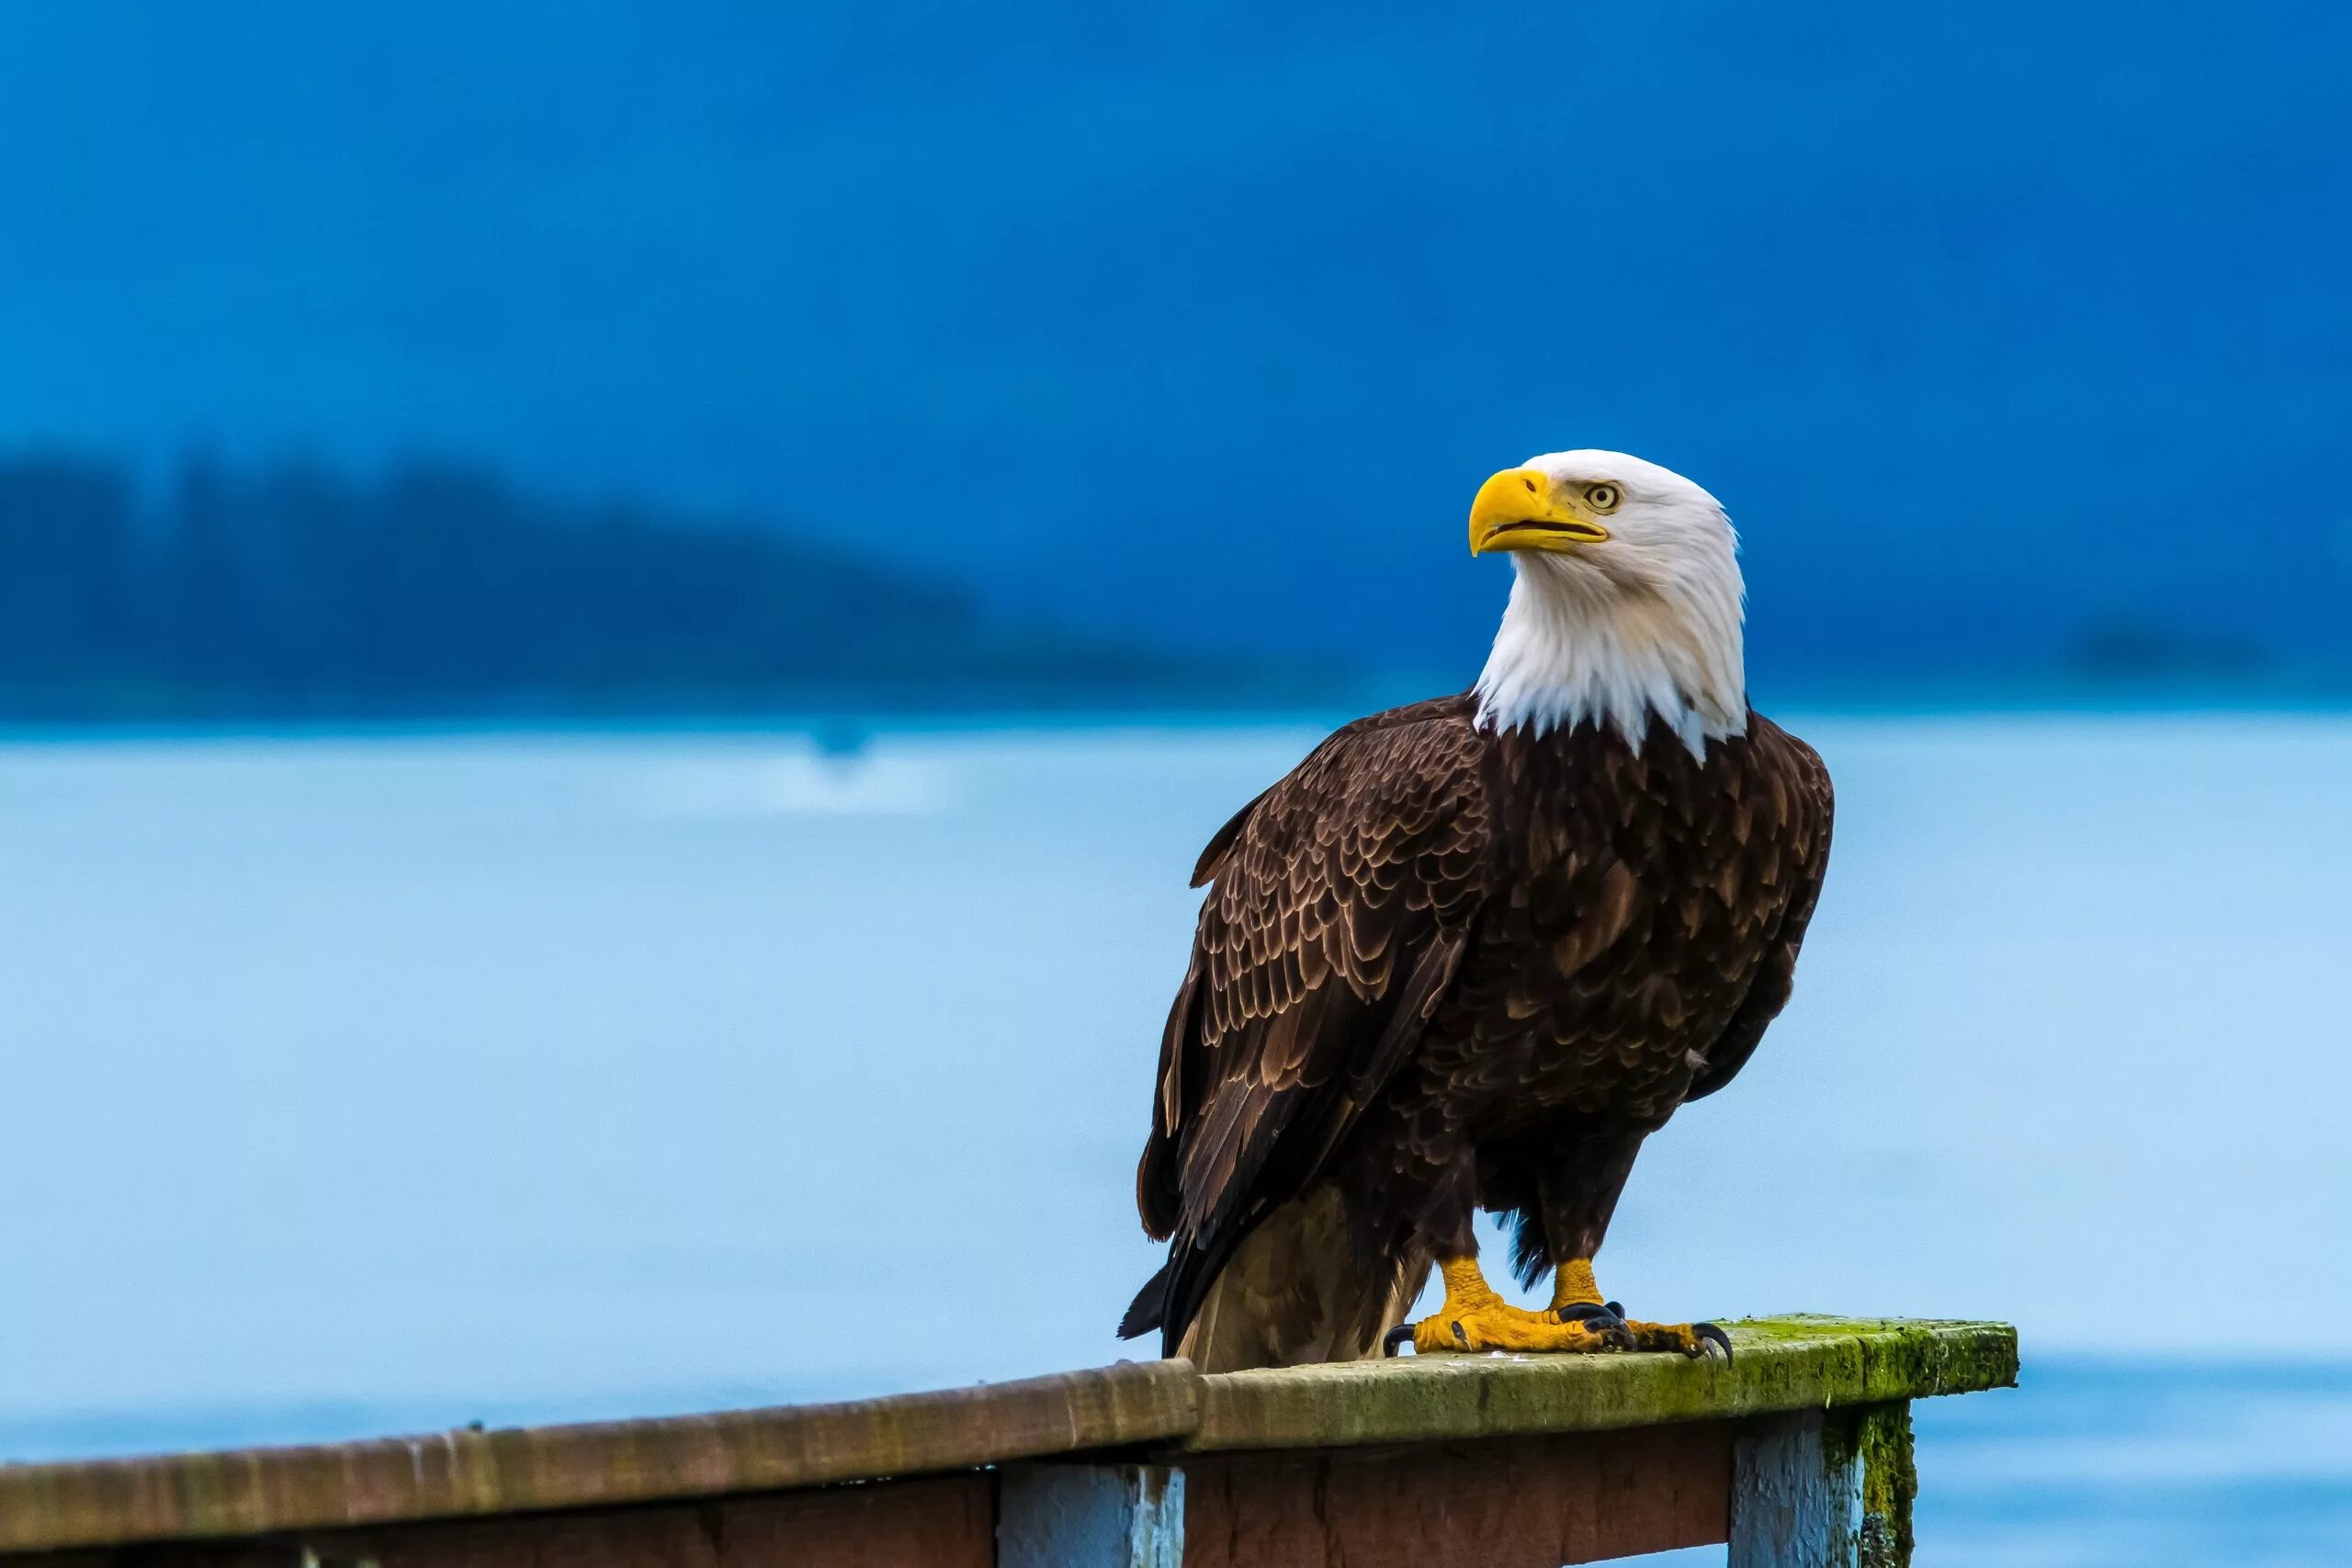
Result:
{"points": [[1509, 1328], [1475, 1318], [1576, 1296]]}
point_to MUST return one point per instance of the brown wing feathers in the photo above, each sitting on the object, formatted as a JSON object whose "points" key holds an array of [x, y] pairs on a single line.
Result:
{"points": [[1339, 903], [1794, 843]]}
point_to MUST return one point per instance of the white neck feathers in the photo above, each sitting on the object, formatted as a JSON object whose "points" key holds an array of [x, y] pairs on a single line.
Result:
{"points": [[1579, 645]]}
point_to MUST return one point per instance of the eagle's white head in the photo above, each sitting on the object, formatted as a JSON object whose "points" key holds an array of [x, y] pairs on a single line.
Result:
{"points": [[1627, 603]]}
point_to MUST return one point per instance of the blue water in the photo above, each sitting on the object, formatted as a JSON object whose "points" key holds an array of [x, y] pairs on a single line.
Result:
{"points": [[366, 1084]]}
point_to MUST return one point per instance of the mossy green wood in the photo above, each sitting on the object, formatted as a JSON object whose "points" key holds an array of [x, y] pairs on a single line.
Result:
{"points": [[1165, 1407], [1785, 1363]]}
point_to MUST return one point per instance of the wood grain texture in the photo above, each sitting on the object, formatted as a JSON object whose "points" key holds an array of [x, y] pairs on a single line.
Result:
{"points": [[1794, 1496], [1503, 1503], [941, 1522], [937, 1522], [1787, 1364], [1052, 1514], [1824, 1489], [260, 1491]]}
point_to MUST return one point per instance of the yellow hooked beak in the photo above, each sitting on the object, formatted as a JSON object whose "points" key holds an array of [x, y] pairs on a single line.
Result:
{"points": [[1517, 510]]}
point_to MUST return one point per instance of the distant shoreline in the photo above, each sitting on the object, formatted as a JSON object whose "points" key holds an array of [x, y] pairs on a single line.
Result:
{"points": [[842, 724]]}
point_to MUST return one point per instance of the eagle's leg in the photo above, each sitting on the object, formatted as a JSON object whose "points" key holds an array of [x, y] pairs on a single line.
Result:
{"points": [[1576, 1299], [1473, 1318], [1578, 1200]]}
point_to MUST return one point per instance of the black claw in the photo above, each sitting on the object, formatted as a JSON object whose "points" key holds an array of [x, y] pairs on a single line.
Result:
{"points": [[1606, 1321], [1396, 1338], [1707, 1334], [1459, 1338]]}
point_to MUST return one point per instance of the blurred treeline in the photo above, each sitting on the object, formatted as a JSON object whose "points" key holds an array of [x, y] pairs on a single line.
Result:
{"points": [[293, 591]]}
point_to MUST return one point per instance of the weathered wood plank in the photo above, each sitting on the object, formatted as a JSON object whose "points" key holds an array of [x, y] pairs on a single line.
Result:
{"points": [[1783, 1364], [947, 1521], [459, 1473], [1793, 1497], [1824, 1489], [1499, 1503], [1053, 1513], [937, 1522], [1163, 1407]]}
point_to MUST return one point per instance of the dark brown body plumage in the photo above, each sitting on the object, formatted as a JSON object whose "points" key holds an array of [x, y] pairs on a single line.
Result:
{"points": [[1441, 969]]}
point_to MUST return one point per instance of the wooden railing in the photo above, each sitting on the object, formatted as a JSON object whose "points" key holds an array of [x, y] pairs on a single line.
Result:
{"points": [[1798, 1452]]}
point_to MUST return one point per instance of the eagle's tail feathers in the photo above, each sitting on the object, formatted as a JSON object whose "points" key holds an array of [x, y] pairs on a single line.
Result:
{"points": [[1294, 1292], [1143, 1312]]}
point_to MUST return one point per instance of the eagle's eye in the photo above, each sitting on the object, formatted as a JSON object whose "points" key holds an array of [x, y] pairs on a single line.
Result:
{"points": [[1602, 497]]}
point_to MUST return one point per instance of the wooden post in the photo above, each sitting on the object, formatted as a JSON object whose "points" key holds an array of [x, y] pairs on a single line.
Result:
{"points": [[1089, 1515], [1825, 1490]]}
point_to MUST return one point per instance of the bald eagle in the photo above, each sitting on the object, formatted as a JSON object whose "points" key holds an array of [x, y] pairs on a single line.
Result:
{"points": [[1471, 953]]}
